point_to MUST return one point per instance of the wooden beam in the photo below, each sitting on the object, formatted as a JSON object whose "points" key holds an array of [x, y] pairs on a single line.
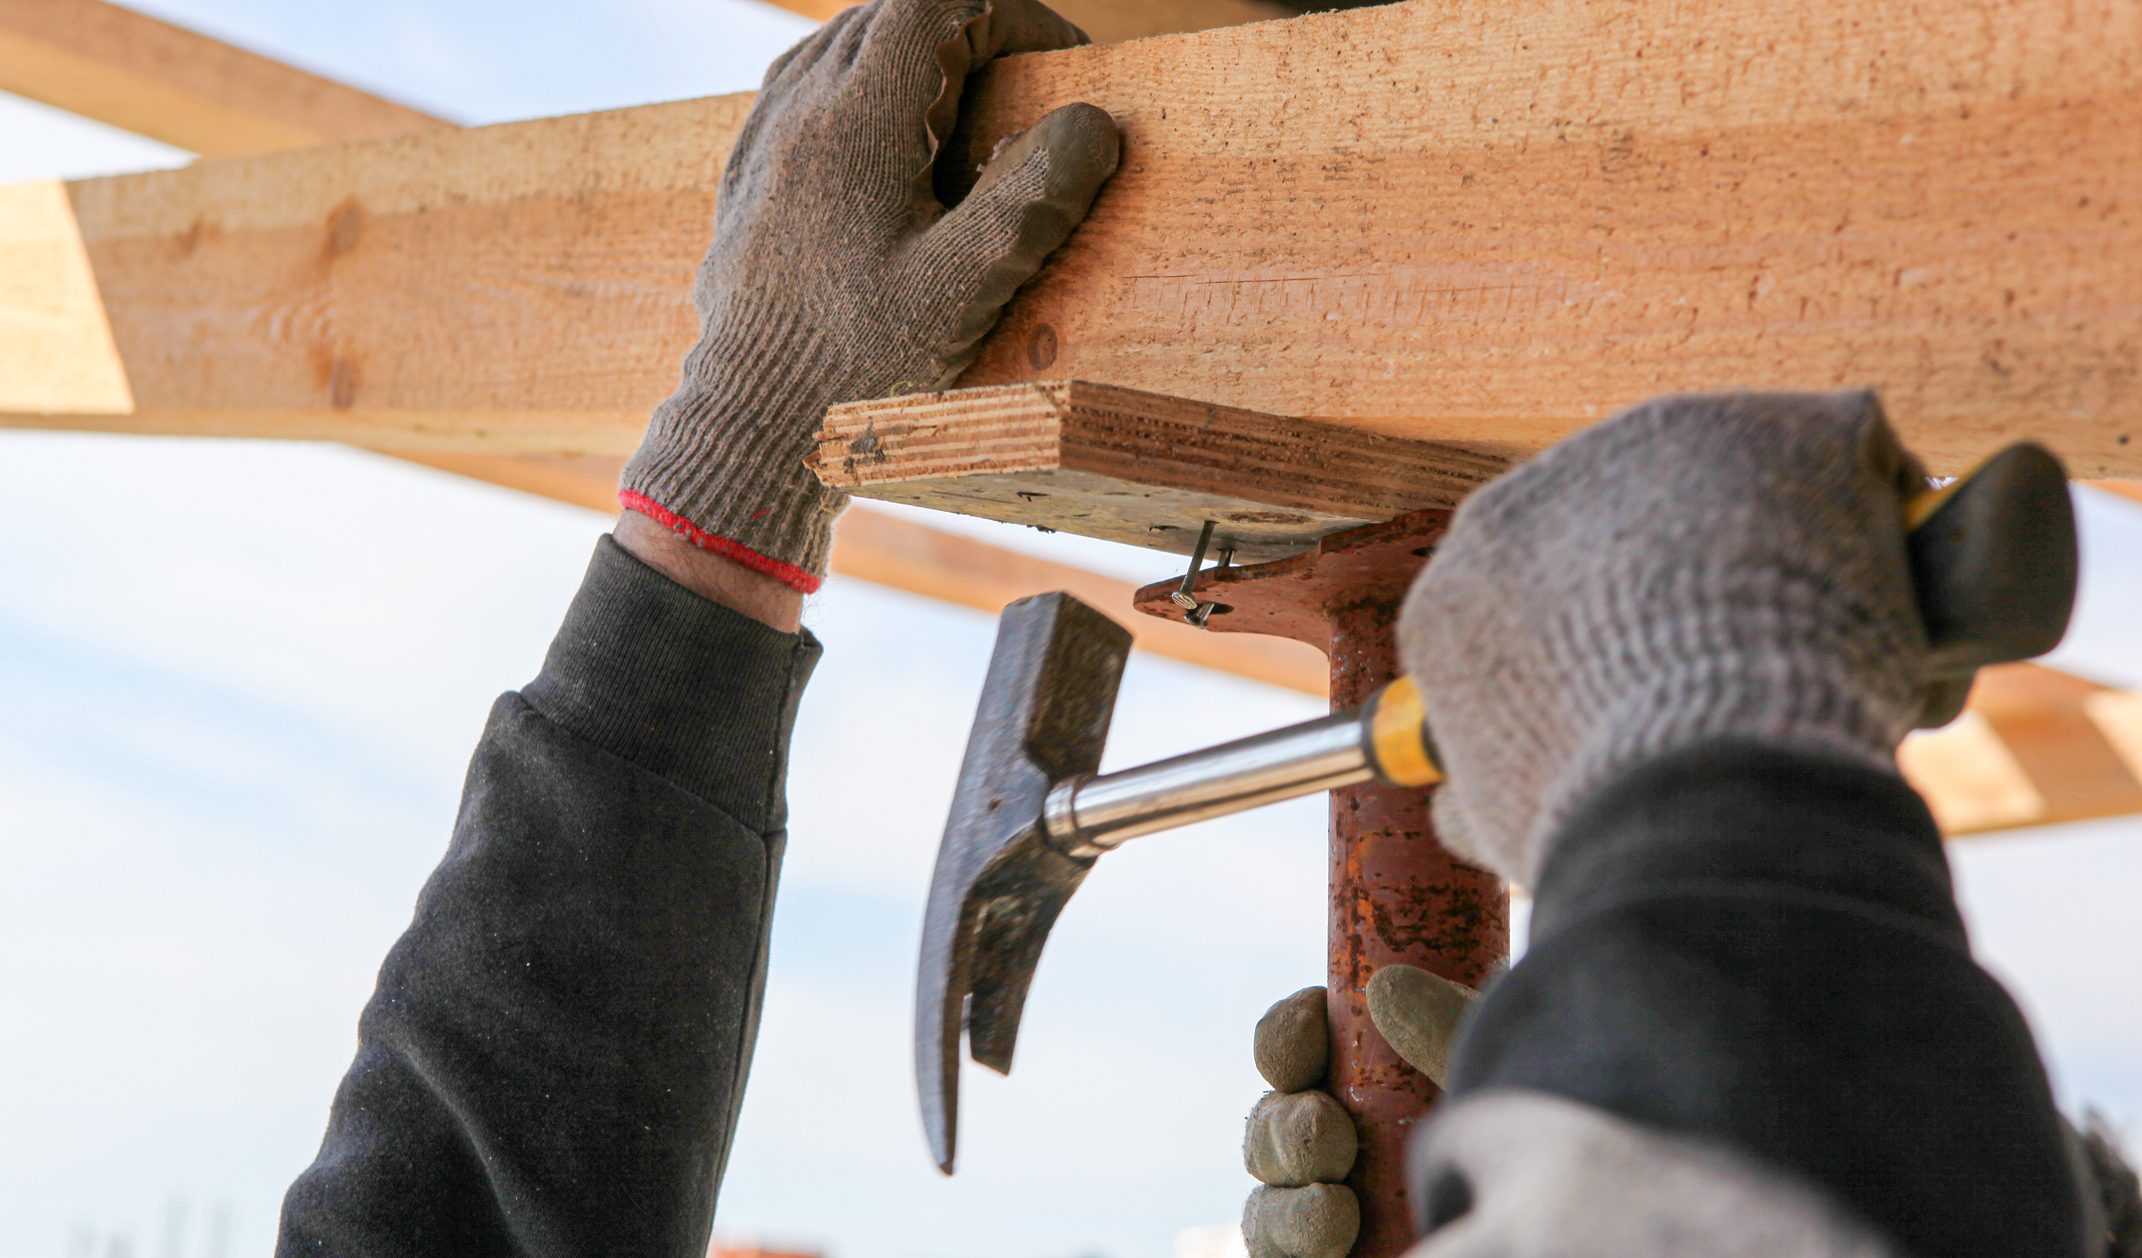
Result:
{"points": [[204, 95], [2037, 747], [131, 71], [441, 286], [1113, 21], [902, 554], [1522, 217], [1136, 467], [888, 550], [170, 84]]}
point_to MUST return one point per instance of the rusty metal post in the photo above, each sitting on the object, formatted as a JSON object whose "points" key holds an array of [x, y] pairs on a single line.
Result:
{"points": [[1396, 894]]}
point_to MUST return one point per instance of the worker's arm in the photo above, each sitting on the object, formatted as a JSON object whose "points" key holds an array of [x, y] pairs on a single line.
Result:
{"points": [[1668, 665], [554, 1057]]}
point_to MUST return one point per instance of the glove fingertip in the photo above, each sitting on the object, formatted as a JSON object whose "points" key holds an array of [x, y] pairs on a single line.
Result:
{"points": [[1418, 1014], [1293, 1042], [1317, 1221], [1033, 193]]}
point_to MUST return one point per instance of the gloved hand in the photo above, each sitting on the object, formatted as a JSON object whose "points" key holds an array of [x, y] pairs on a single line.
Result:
{"points": [[1300, 1143], [836, 272], [1698, 568]]}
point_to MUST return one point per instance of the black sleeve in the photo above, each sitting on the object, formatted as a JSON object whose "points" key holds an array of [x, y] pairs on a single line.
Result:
{"points": [[1761, 948], [554, 1056]]}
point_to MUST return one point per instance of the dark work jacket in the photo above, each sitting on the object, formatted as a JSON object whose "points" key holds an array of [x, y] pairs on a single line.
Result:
{"points": [[554, 1056], [1738, 945]]}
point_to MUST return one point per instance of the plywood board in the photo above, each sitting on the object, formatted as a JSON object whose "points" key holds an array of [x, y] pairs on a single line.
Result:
{"points": [[1135, 467]]}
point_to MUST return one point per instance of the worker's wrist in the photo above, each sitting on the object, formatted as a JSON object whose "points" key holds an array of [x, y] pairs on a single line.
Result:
{"points": [[723, 577]]}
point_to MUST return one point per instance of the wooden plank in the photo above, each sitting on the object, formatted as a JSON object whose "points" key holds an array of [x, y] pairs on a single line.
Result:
{"points": [[231, 101], [131, 71], [905, 555], [2037, 747], [1135, 467], [1113, 21], [171, 84], [1524, 216], [885, 549]]}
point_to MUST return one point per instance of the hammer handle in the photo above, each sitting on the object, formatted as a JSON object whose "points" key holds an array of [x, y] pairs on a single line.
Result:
{"points": [[1993, 563]]}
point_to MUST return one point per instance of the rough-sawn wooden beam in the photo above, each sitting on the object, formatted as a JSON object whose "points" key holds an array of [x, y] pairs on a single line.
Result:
{"points": [[131, 71], [1484, 225], [1113, 21]]}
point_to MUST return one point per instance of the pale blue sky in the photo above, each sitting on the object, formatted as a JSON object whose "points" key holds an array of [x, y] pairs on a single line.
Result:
{"points": [[239, 681]]}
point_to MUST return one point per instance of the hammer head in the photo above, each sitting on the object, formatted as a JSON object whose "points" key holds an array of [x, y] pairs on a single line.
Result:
{"points": [[999, 885]]}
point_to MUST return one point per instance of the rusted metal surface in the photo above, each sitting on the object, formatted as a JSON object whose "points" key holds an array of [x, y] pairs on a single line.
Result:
{"points": [[1396, 894]]}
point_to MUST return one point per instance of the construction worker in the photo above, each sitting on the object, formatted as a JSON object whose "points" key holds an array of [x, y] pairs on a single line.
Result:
{"points": [[1674, 658]]}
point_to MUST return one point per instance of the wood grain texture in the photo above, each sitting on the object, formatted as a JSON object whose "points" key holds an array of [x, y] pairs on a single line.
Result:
{"points": [[492, 290], [1493, 223], [185, 89], [1480, 225], [235, 102], [1136, 467], [2037, 747]]}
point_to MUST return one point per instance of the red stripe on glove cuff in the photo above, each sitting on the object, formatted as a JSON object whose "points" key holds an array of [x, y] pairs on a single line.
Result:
{"points": [[786, 573]]}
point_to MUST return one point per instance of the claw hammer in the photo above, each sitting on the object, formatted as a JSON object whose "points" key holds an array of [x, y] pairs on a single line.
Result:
{"points": [[1993, 562]]}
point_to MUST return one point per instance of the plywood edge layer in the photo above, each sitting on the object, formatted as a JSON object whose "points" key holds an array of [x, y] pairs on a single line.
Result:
{"points": [[1138, 467]]}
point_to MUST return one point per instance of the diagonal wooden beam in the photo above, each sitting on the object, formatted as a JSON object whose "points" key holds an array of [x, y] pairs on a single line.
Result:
{"points": [[2037, 747], [170, 84], [905, 555]]}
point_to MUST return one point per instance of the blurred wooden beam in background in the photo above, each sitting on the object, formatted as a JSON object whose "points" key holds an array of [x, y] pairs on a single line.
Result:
{"points": [[2037, 747], [185, 89], [914, 558]]}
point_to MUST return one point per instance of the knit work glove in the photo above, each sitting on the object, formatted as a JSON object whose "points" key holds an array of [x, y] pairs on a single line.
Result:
{"points": [[1300, 1143], [838, 274], [1698, 568]]}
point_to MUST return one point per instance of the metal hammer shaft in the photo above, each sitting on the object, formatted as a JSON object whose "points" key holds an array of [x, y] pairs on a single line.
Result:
{"points": [[1088, 816], [1993, 563]]}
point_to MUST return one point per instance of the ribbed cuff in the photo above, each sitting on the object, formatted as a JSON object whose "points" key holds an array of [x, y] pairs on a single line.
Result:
{"points": [[723, 460], [687, 689]]}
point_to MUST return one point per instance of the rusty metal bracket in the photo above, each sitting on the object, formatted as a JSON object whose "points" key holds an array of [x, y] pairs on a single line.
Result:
{"points": [[1396, 894]]}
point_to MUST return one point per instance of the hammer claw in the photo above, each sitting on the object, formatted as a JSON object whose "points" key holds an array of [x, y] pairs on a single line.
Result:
{"points": [[999, 886]]}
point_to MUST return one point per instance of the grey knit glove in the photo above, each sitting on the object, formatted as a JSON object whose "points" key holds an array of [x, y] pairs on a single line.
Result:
{"points": [[837, 273], [1299, 1144], [1697, 568]]}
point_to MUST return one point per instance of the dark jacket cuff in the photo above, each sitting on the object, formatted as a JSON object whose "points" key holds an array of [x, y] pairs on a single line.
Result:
{"points": [[692, 691]]}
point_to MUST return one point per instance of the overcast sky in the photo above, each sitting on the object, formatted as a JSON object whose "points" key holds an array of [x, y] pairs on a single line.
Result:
{"points": [[239, 682]]}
